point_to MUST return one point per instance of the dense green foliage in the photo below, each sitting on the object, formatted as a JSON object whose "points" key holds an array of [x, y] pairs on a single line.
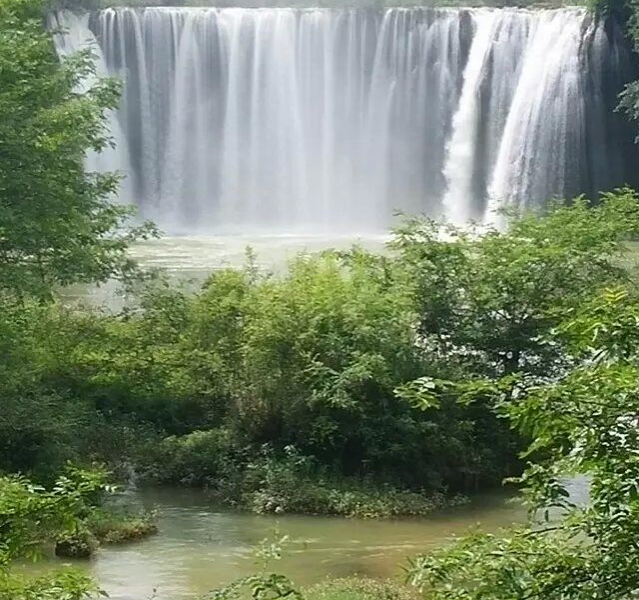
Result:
{"points": [[583, 422], [580, 414], [581, 418], [280, 392], [296, 393], [41, 425], [240, 373], [488, 298], [57, 225], [32, 516]]}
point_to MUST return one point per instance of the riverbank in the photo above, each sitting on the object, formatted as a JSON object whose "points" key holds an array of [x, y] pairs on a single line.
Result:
{"points": [[265, 481]]}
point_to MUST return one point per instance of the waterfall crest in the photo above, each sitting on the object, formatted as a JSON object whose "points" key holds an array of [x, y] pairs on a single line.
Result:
{"points": [[329, 120]]}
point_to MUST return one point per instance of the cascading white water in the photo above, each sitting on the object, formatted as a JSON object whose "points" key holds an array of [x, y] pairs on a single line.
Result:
{"points": [[461, 148], [329, 120], [549, 107], [113, 158]]}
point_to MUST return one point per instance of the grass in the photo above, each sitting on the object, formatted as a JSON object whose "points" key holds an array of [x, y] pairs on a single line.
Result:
{"points": [[112, 528], [358, 588]]}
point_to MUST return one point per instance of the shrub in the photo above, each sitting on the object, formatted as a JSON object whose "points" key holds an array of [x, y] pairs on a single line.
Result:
{"points": [[313, 359], [200, 458], [76, 544], [110, 527], [295, 484], [348, 498]]}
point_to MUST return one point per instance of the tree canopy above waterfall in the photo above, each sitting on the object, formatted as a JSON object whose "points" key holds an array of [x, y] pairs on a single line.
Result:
{"points": [[333, 4]]}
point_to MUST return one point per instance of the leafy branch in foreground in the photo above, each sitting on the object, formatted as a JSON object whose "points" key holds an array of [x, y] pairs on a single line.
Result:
{"points": [[491, 297], [58, 223], [31, 517], [584, 422]]}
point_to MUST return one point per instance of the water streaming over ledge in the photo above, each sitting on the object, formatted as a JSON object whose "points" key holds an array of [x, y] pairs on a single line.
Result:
{"points": [[322, 120]]}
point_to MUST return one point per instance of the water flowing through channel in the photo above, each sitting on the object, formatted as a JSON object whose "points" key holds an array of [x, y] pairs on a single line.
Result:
{"points": [[319, 120]]}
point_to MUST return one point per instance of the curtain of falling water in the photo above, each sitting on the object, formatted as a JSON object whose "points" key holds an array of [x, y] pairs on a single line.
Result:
{"points": [[329, 120]]}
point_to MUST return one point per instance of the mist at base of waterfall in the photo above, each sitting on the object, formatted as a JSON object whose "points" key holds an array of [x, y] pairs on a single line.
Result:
{"points": [[189, 260]]}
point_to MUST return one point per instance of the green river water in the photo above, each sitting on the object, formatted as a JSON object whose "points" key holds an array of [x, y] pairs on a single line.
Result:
{"points": [[201, 546]]}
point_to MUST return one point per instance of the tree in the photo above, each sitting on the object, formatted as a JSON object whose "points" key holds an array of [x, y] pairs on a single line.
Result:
{"points": [[58, 224], [30, 516], [582, 422], [489, 297]]}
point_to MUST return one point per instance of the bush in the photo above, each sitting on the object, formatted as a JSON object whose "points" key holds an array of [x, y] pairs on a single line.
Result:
{"points": [[320, 359], [309, 360], [295, 484], [265, 481], [76, 544], [111, 527], [346, 498], [201, 458]]}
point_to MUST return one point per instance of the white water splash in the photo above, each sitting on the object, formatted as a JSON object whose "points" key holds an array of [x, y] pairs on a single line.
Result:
{"points": [[541, 149]]}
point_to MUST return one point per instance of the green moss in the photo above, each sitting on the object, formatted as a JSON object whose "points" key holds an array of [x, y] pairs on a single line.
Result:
{"points": [[119, 528], [356, 588]]}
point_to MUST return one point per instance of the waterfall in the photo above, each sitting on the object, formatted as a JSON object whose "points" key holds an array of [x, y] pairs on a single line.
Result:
{"points": [[545, 129], [78, 37], [321, 120], [463, 142]]}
